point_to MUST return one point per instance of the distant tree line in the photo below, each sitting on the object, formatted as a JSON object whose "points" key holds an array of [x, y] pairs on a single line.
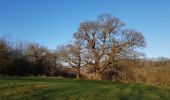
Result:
{"points": [[101, 49], [29, 59]]}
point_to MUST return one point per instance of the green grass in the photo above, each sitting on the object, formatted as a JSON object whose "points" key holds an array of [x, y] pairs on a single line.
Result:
{"points": [[29, 88]]}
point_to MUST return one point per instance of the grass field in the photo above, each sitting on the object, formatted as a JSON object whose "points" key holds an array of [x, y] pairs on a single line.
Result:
{"points": [[71, 89]]}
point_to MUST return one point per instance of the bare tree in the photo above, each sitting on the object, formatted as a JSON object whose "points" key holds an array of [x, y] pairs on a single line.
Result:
{"points": [[36, 55], [4, 55], [72, 53], [108, 41], [52, 66]]}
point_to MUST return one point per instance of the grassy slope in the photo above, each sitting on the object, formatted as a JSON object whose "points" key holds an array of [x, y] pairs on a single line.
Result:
{"points": [[64, 89]]}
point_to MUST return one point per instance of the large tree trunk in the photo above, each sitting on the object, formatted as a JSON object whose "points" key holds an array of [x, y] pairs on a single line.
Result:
{"points": [[97, 76], [78, 73]]}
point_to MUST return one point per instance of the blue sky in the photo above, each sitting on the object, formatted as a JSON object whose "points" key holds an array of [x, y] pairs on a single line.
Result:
{"points": [[52, 22]]}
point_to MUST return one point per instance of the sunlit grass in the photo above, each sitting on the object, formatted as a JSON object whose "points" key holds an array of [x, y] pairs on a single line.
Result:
{"points": [[72, 89]]}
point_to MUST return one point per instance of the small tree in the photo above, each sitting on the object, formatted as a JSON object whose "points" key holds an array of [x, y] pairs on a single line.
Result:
{"points": [[72, 53]]}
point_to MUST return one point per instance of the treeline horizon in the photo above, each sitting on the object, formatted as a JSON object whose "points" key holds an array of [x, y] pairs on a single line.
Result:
{"points": [[11, 39], [101, 49]]}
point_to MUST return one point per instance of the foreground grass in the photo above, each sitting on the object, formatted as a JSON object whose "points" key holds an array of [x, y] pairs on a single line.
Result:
{"points": [[71, 89]]}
